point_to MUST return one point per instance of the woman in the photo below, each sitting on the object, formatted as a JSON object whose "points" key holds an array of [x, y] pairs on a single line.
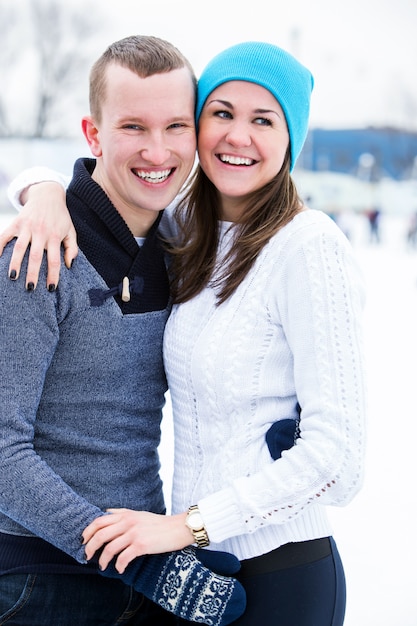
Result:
{"points": [[266, 326]]}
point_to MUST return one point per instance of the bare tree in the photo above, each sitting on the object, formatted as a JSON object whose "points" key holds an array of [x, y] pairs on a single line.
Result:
{"points": [[45, 58], [8, 54]]}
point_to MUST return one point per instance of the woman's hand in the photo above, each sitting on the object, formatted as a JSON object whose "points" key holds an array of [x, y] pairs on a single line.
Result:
{"points": [[45, 223], [129, 534]]}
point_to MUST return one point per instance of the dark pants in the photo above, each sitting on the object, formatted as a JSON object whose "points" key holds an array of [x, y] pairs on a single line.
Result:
{"points": [[299, 584], [74, 600], [296, 585]]}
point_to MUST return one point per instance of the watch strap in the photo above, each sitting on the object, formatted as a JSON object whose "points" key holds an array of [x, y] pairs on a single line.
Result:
{"points": [[200, 534]]}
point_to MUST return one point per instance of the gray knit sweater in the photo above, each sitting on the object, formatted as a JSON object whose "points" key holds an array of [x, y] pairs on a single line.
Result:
{"points": [[81, 395]]}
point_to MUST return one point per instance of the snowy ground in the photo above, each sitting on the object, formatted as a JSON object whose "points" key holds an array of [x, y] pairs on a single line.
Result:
{"points": [[376, 533]]}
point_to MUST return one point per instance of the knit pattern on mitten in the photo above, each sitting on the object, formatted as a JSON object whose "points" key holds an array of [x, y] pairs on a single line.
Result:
{"points": [[180, 583]]}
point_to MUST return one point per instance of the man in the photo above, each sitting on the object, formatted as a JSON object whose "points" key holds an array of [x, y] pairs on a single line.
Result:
{"points": [[82, 381]]}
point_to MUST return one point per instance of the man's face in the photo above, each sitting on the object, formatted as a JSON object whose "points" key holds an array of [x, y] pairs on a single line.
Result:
{"points": [[145, 142]]}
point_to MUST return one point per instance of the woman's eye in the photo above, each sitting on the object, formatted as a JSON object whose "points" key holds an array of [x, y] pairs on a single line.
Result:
{"points": [[226, 115], [263, 121]]}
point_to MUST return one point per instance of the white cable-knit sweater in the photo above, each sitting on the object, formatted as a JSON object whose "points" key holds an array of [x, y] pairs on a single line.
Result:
{"points": [[291, 332]]}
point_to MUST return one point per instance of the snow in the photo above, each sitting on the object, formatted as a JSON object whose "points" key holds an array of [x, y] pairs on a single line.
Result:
{"points": [[376, 532]]}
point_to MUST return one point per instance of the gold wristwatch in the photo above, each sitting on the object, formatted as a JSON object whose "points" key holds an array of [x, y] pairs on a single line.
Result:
{"points": [[195, 523]]}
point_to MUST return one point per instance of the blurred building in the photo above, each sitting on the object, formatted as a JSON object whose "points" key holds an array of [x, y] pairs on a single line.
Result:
{"points": [[360, 170], [393, 152]]}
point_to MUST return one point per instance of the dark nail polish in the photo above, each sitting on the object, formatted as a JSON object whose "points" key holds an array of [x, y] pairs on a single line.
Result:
{"points": [[51, 287], [13, 275], [30, 286]]}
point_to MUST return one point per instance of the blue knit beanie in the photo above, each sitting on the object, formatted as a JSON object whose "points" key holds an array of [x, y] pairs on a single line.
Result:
{"points": [[271, 67]]}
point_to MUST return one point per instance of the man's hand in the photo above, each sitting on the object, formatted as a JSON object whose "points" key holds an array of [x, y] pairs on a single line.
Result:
{"points": [[43, 223]]}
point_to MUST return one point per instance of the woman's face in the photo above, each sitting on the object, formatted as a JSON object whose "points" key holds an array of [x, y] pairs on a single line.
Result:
{"points": [[242, 141]]}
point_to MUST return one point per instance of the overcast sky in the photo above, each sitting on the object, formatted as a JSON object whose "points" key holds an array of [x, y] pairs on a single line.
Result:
{"points": [[362, 53]]}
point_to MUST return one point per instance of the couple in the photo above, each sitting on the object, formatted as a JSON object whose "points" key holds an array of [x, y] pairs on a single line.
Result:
{"points": [[266, 318]]}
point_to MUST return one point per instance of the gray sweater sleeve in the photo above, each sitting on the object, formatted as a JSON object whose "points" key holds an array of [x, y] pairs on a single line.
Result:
{"points": [[32, 494]]}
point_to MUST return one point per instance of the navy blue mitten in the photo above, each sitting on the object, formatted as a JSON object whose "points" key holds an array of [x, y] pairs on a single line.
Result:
{"points": [[193, 584], [282, 436]]}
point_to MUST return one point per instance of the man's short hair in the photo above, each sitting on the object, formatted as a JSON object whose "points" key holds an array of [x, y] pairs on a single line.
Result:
{"points": [[145, 55]]}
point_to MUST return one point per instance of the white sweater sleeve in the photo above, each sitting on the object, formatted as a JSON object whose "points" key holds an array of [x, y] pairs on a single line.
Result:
{"points": [[32, 176]]}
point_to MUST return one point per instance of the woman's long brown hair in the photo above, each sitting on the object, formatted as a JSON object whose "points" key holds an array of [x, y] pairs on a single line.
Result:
{"points": [[197, 215]]}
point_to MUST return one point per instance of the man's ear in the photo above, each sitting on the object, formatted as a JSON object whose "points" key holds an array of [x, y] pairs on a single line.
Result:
{"points": [[91, 133]]}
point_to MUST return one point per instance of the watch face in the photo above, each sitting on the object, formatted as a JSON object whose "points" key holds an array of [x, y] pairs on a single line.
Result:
{"points": [[195, 521]]}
